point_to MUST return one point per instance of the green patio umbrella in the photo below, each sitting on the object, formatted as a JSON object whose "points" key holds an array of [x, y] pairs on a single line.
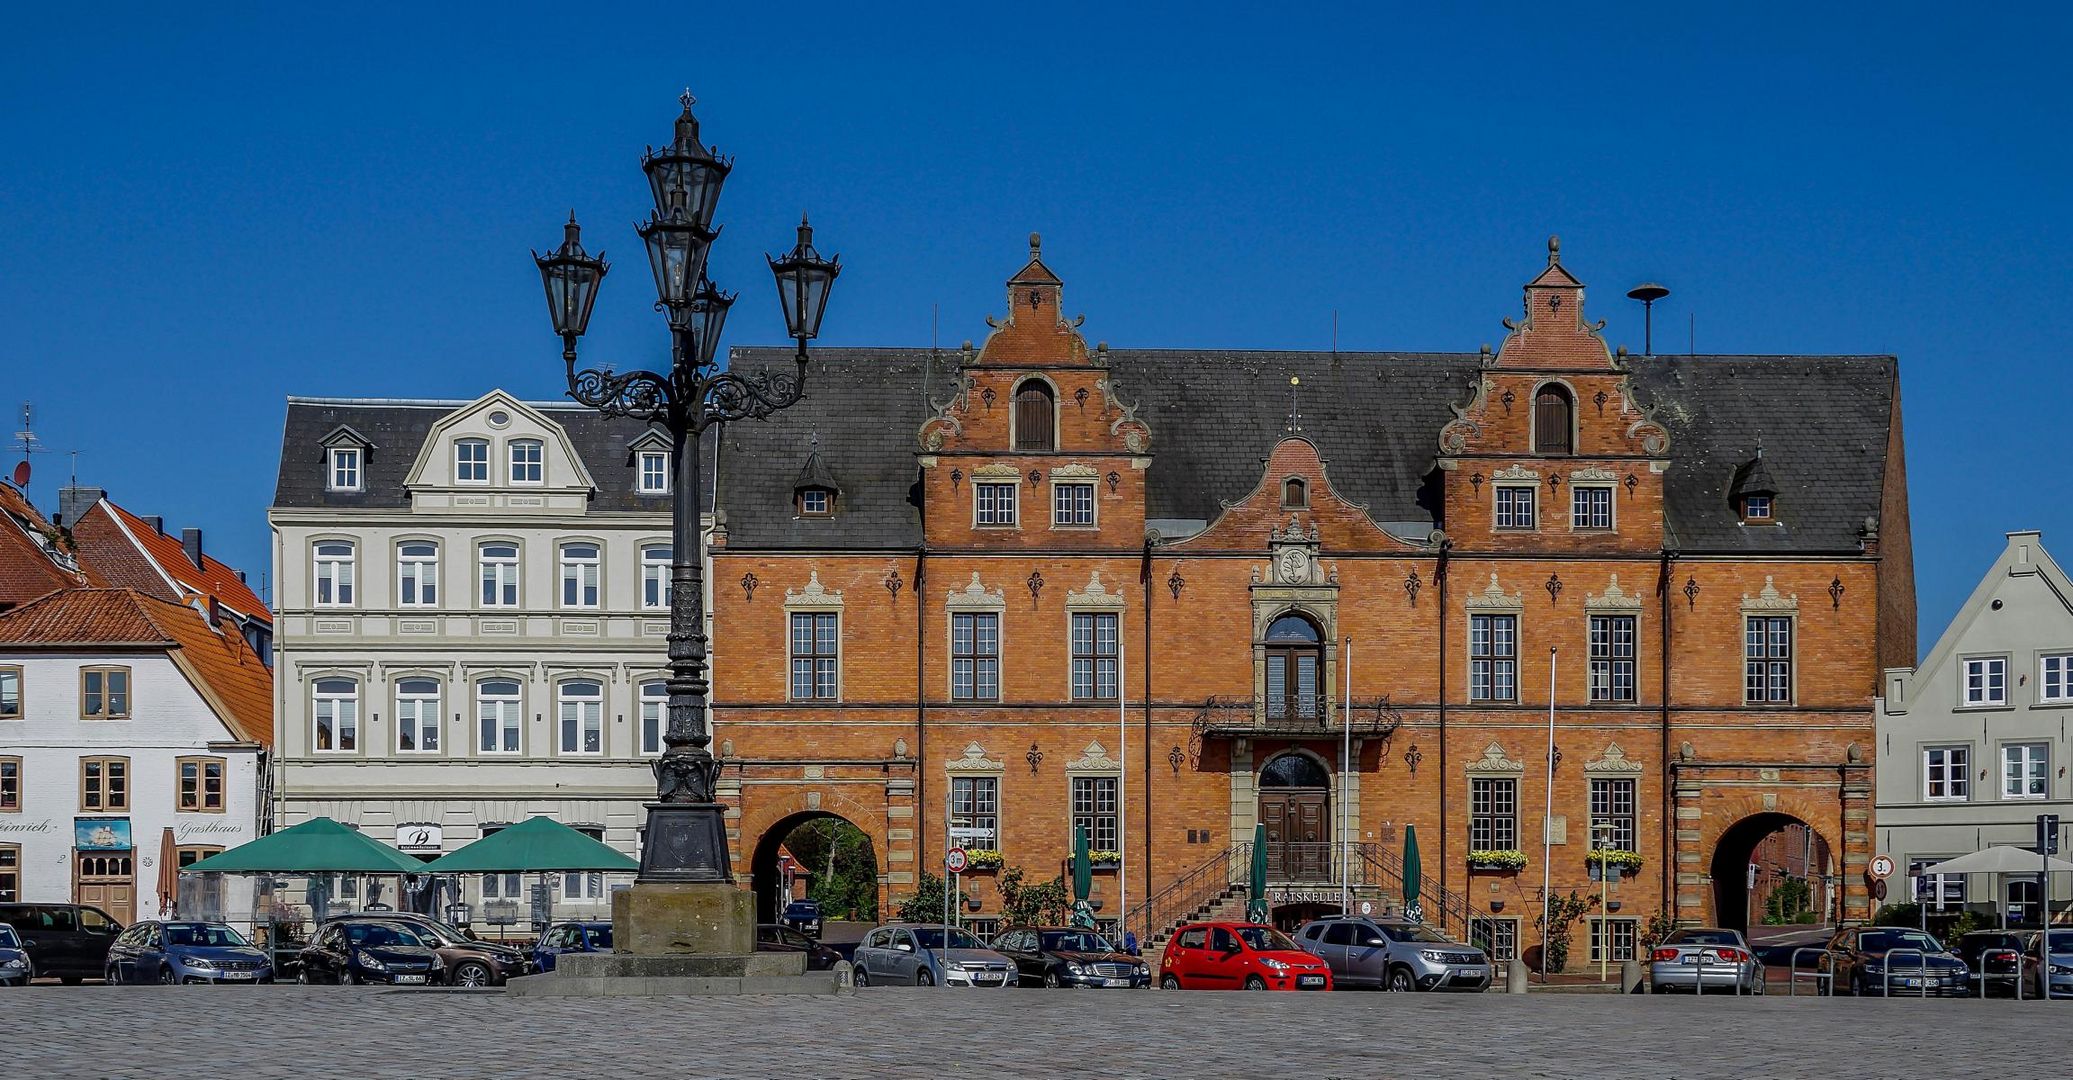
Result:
{"points": [[317, 846], [1256, 907], [1082, 879], [536, 845], [1413, 910]]}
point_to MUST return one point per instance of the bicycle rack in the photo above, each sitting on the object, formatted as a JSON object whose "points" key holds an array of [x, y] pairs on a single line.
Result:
{"points": [[1821, 979], [1921, 971], [2016, 978]]}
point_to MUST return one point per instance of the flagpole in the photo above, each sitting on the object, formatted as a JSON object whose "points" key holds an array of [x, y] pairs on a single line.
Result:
{"points": [[1345, 785], [1122, 781], [1547, 834]]}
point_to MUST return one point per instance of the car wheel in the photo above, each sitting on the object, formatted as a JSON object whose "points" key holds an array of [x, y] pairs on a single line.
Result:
{"points": [[923, 978], [165, 976], [302, 977], [1400, 981], [859, 976], [471, 974], [1254, 982], [1658, 988], [1169, 982], [1051, 979], [348, 978]]}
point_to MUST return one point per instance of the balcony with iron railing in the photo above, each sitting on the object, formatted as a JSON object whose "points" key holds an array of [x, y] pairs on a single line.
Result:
{"points": [[1293, 716]]}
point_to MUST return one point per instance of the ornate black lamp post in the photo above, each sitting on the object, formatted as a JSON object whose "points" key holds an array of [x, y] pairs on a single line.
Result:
{"points": [[686, 839]]}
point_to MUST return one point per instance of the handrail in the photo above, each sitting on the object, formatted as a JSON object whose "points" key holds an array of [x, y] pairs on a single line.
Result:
{"points": [[1191, 890], [1886, 971], [2016, 978], [1818, 976]]}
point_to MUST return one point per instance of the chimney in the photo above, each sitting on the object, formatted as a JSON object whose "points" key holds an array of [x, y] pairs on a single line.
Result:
{"points": [[191, 539], [74, 502], [158, 524]]}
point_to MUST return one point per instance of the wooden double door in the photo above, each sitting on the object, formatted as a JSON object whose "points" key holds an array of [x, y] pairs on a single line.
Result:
{"points": [[107, 880], [1298, 821]]}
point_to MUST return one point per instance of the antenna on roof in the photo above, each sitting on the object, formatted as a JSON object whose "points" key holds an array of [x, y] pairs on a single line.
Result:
{"points": [[31, 445], [1335, 331], [1648, 292]]}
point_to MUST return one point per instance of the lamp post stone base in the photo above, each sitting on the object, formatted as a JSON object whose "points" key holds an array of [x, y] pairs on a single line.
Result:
{"points": [[696, 920]]}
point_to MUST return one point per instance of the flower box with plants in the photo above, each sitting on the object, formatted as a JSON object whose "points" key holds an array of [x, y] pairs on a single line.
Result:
{"points": [[1497, 860], [1627, 861], [977, 859], [1105, 860]]}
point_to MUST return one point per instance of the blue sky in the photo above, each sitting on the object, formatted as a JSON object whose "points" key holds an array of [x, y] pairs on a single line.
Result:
{"points": [[209, 207]]}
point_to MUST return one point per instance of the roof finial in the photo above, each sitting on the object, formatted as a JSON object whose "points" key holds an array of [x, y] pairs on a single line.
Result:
{"points": [[687, 99], [1554, 251], [1759, 444], [1036, 245]]}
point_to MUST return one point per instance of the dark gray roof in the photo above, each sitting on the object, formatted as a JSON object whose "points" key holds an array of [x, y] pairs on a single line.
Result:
{"points": [[1375, 418], [396, 431]]}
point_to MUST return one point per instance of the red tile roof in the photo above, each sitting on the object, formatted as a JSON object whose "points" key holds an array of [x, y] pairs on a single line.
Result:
{"points": [[127, 552], [27, 566], [216, 659]]}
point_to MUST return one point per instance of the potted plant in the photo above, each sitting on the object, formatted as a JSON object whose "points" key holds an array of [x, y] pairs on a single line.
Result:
{"points": [[1105, 860], [1502, 860], [1623, 863], [982, 860]]}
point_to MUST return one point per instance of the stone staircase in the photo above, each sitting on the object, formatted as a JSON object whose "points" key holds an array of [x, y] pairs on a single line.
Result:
{"points": [[1227, 906]]}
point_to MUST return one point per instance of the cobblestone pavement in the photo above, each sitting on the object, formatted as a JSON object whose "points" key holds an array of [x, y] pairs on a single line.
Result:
{"points": [[366, 1033]]}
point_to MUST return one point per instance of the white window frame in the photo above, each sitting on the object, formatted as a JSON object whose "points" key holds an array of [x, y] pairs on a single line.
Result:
{"points": [[418, 712], [995, 504], [333, 585], [977, 665], [1500, 511], [516, 703], [469, 468], [1624, 946], [656, 577], [2022, 763], [584, 575], [501, 573], [822, 670], [343, 711], [1576, 498], [1493, 673], [651, 470], [1956, 777], [526, 460], [417, 576], [2055, 678], [977, 806], [1091, 661], [1983, 682], [653, 695], [1614, 675], [1766, 664], [1066, 510], [1946, 891], [343, 472], [580, 715], [816, 502]]}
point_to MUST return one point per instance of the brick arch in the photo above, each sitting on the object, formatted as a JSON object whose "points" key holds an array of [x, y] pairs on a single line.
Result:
{"points": [[769, 812], [1731, 821]]}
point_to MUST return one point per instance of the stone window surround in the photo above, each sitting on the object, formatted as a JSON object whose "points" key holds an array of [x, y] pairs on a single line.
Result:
{"points": [[1965, 659], [1595, 478], [975, 598], [814, 598], [1513, 477], [1922, 751], [1769, 602], [1075, 475], [2065, 658], [1094, 599], [1004, 475]]}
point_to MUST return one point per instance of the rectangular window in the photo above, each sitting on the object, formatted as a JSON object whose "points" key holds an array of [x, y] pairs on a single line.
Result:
{"points": [[1499, 938], [334, 574], [2025, 771], [525, 461], [417, 716], [10, 693], [1612, 803], [335, 716], [1767, 660], [10, 873], [10, 785], [975, 804], [345, 468], [104, 784], [1756, 507], [1941, 892], [2056, 677], [1612, 657], [417, 574], [975, 657], [582, 718], [199, 783], [1590, 508], [502, 886], [996, 503], [471, 461], [814, 655], [816, 502], [1094, 656], [497, 717], [1493, 814], [104, 693], [1946, 773], [1613, 939], [1493, 658], [500, 575], [1094, 809], [579, 575], [1986, 680], [1515, 506], [200, 894], [654, 476], [1072, 504], [654, 715], [655, 578]]}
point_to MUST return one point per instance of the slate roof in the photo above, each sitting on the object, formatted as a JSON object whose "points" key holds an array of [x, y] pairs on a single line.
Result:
{"points": [[397, 430], [1375, 418]]}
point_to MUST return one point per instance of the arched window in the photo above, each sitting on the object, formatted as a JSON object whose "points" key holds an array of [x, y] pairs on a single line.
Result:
{"points": [[335, 716], [1295, 493], [335, 573], [497, 716], [582, 717], [1551, 420], [1295, 660], [654, 715], [1294, 770], [417, 716], [1035, 416]]}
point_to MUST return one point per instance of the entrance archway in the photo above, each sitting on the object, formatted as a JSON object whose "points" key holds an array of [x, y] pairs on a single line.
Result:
{"points": [[819, 855], [1295, 806], [1771, 854]]}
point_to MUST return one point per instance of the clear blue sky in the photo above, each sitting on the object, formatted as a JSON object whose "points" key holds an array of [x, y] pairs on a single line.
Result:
{"points": [[209, 207]]}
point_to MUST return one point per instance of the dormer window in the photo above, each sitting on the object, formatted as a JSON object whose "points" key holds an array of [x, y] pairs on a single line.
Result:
{"points": [[1757, 510], [1295, 493], [471, 461], [816, 502], [345, 469], [654, 472], [526, 461], [1036, 416], [1552, 420], [1754, 492]]}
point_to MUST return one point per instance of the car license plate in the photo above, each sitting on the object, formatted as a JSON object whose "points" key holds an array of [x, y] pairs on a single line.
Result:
{"points": [[407, 979], [988, 976], [1309, 980], [1115, 982], [1910, 982], [237, 975], [1692, 960]]}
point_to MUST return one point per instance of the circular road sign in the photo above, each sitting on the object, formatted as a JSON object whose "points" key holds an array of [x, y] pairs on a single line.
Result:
{"points": [[1882, 866], [1367, 907], [955, 861]]}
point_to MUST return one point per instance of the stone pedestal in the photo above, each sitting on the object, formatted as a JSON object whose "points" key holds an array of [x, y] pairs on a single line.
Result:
{"points": [[662, 920], [679, 939]]}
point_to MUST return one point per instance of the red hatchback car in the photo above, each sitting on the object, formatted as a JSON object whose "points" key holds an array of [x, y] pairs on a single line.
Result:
{"points": [[1238, 956]]}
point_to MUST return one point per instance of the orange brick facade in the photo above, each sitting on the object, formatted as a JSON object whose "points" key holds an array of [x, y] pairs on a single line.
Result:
{"points": [[1711, 774]]}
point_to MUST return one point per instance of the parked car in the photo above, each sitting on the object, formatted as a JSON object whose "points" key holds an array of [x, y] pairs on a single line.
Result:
{"points": [[2049, 959], [1702, 958], [803, 916], [16, 969], [922, 955], [1233, 956], [365, 950], [467, 961], [570, 937], [68, 941], [185, 952], [772, 937], [1069, 956], [1857, 957], [1995, 957], [1393, 954]]}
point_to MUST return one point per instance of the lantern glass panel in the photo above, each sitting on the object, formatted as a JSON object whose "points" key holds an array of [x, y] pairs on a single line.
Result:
{"points": [[676, 253]]}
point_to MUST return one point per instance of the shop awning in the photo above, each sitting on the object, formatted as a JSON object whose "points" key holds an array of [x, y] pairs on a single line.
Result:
{"points": [[2000, 859], [317, 846], [535, 845]]}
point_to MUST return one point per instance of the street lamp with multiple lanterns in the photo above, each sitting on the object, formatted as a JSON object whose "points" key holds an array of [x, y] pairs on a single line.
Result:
{"points": [[686, 838]]}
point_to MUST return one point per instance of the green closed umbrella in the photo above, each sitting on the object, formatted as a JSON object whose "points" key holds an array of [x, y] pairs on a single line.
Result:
{"points": [[1256, 908], [1082, 880], [1412, 909]]}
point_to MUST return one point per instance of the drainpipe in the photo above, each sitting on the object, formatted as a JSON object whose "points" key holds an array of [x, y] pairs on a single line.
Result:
{"points": [[1669, 782], [1144, 665], [921, 706], [1439, 576]]}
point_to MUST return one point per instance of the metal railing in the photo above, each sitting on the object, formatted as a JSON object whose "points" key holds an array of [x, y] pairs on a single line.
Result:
{"points": [[2016, 978], [1192, 891], [1444, 910], [1824, 980], [1921, 971]]}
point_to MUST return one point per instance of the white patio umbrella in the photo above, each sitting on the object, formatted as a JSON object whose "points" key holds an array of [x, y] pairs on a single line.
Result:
{"points": [[2001, 859]]}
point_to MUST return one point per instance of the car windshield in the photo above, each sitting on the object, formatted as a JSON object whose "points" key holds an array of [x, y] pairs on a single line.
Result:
{"points": [[204, 936], [2061, 941], [931, 937], [1265, 939], [802, 907], [381, 934], [1413, 933], [1702, 937], [440, 932], [1879, 941], [599, 937], [8, 940], [1076, 941]]}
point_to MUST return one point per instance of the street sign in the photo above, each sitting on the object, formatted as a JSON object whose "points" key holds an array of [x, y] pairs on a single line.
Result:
{"points": [[962, 832], [1882, 866], [955, 861], [1878, 889], [1367, 907], [2048, 834]]}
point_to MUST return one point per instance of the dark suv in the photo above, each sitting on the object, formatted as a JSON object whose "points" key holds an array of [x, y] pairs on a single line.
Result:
{"points": [[1995, 957], [1859, 956], [468, 962], [68, 941]]}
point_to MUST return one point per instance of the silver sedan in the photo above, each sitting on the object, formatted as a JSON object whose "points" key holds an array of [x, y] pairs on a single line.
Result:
{"points": [[1702, 959]]}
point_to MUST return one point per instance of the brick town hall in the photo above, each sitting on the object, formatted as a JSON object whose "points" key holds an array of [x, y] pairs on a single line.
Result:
{"points": [[943, 584]]}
